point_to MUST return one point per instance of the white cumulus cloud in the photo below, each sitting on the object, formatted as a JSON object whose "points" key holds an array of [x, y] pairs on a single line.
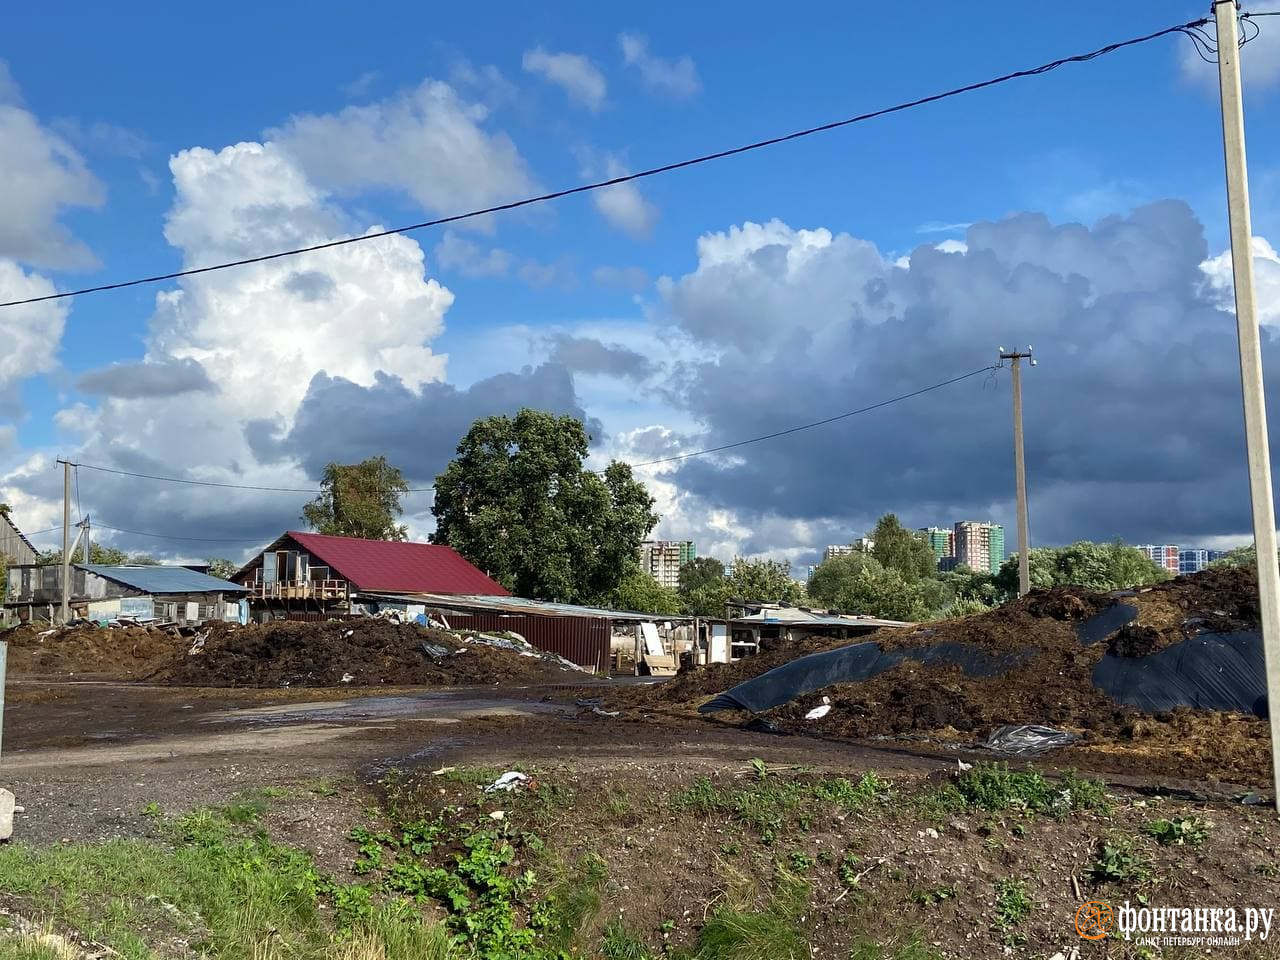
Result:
{"points": [[42, 176], [675, 77], [428, 142], [572, 72]]}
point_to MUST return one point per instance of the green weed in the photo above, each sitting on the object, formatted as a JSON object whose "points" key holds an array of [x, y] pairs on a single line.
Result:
{"points": [[735, 932], [1186, 831], [931, 896], [1119, 861], [1013, 903]]}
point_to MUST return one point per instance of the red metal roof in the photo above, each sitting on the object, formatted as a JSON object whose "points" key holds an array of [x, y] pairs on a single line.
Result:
{"points": [[393, 567]]}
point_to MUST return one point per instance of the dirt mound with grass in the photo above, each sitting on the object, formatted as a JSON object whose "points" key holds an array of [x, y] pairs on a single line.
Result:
{"points": [[358, 653], [85, 652]]}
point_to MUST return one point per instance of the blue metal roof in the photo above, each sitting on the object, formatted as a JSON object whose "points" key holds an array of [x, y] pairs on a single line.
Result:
{"points": [[154, 580]]}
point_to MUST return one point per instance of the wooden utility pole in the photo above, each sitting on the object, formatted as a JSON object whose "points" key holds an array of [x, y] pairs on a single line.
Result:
{"points": [[1255, 408], [1020, 469], [66, 540]]}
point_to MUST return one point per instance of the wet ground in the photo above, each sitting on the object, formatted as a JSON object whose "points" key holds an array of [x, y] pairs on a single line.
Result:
{"points": [[85, 759]]}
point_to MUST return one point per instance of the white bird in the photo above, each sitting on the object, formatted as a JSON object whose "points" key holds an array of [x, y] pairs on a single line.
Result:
{"points": [[348, 677]]}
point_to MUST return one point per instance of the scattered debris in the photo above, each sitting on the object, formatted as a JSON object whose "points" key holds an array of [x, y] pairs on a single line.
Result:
{"points": [[606, 713], [1028, 739], [7, 809], [347, 678], [820, 711], [509, 781], [442, 771], [498, 815]]}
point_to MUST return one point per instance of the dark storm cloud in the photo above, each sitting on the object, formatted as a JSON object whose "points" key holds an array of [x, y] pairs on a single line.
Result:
{"points": [[588, 355], [167, 378], [1133, 416], [340, 421]]}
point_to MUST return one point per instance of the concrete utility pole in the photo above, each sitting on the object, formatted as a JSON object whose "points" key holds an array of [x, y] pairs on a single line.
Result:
{"points": [[1255, 407], [66, 540], [1020, 470]]}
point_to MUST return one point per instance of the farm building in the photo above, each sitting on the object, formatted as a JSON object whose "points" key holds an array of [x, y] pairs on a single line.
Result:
{"points": [[103, 593], [14, 547], [301, 573]]}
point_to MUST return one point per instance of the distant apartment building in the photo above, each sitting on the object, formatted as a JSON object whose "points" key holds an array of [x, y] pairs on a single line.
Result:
{"points": [[1195, 560], [1166, 555], [662, 559], [861, 545], [979, 545], [942, 541]]}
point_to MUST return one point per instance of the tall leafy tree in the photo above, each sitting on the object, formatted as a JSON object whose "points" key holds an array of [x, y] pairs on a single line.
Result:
{"points": [[903, 550], [859, 583], [359, 500], [703, 587], [517, 502], [639, 591], [766, 581], [1094, 566], [224, 569]]}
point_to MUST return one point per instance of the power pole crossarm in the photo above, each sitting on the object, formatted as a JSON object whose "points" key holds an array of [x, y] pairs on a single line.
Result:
{"points": [[1255, 407], [1020, 469]]}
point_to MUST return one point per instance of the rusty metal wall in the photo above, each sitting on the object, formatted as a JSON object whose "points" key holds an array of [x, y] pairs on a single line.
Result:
{"points": [[581, 640]]}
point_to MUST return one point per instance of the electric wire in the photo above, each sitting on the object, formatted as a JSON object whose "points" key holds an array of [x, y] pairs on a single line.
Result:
{"points": [[819, 423], [1044, 68]]}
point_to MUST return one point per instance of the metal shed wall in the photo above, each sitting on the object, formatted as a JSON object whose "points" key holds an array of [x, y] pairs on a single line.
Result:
{"points": [[581, 640]]}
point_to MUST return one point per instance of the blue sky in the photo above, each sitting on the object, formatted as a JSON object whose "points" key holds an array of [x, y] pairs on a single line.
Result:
{"points": [[414, 112]]}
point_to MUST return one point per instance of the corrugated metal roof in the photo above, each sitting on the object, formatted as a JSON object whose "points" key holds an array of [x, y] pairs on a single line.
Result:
{"points": [[155, 580], [396, 567], [542, 608], [790, 616]]}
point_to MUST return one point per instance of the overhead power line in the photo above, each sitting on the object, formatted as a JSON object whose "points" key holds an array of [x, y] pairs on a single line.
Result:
{"points": [[310, 491], [818, 423], [1184, 28]]}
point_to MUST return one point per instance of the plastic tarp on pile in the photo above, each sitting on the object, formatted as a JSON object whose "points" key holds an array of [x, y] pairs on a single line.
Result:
{"points": [[1214, 671], [861, 661]]}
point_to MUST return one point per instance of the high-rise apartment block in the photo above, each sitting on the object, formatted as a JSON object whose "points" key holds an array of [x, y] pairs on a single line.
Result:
{"points": [[979, 546], [662, 559], [1194, 560], [1164, 554], [941, 540]]}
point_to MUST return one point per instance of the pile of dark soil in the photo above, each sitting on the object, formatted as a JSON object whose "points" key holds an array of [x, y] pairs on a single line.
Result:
{"points": [[128, 653], [1054, 686], [358, 653]]}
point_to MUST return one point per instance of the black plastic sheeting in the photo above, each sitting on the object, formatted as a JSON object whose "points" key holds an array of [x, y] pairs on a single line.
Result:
{"points": [[1102, 625], [860, 661], [1213, 671]]}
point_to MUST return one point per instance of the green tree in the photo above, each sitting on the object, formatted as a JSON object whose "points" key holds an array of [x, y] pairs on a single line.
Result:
{"points": [[359, 500], [1239, 557], [1094, 566], [639, 591], [223, 569], [967, 584], [859, 583], [765, 581], [517, 502], [107, 556], [703, 587], [906, 551]]}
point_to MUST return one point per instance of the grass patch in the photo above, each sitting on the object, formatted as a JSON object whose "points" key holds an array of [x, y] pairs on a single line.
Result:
{"points": [[996, 788], [229, 894], [620, 943], [736, 932], [1183, 832], [914, 949], [773, 804], [1013, 903]]}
